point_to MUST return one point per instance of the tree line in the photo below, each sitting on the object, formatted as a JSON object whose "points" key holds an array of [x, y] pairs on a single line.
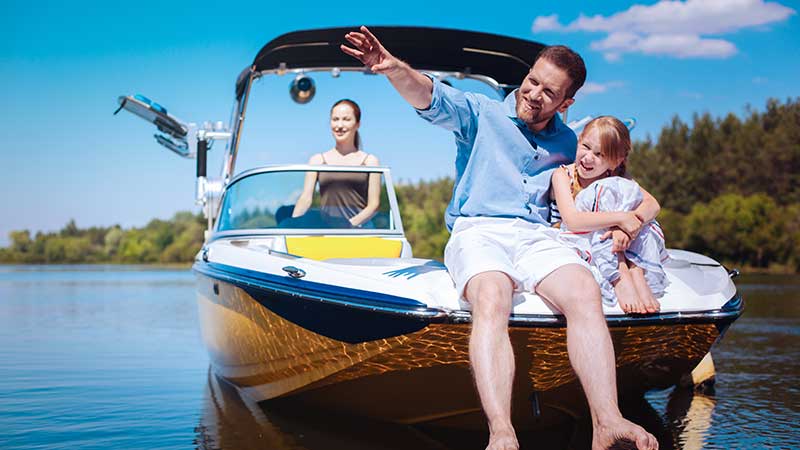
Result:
{"points": [[729, 188], [161, 241]]}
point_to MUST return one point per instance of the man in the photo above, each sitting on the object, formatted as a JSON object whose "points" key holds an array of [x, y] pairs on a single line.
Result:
{"points": [[500, 241]]}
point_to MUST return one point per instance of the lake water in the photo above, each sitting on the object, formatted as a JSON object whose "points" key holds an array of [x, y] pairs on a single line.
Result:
{"points": [[111, 357]]}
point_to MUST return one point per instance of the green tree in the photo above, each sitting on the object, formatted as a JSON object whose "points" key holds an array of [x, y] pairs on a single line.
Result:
{"points": [[21, 241], [136, 248], [736, 228], [111, 241], [70, 229], [55, 250], [422, 207]]}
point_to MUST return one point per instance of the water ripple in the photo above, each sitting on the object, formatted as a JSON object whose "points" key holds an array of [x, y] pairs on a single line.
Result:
{"points": [[111, 357]]}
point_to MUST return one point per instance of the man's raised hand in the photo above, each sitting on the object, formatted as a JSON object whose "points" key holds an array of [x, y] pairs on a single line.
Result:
{"points": [[368, 50], [413, 86]]}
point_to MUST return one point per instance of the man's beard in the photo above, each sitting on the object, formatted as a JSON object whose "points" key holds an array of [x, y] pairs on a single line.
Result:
{"points": [[532, 116]]}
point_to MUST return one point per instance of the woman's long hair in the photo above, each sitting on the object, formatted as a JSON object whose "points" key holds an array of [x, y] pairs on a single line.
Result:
{"points": [[356, 112]]}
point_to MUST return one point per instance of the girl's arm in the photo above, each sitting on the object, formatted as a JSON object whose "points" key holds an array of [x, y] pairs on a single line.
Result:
{"points": [[649, 208], [304, 202], [588, 221], [373, 195], [620, 240]]}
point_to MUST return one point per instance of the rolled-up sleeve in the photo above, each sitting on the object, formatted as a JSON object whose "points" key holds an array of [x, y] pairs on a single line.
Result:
{"points": [[452, 109]]}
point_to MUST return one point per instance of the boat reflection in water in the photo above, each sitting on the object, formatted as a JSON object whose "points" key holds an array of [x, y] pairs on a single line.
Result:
{"points": [[232, 421], [689, 417]]}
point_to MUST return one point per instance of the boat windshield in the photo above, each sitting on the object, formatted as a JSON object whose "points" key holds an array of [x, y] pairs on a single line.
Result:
{"points": [[276, 130], [328, 199]]}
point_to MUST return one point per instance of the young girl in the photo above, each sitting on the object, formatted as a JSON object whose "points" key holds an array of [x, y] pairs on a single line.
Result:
{"points": [[594, 202]]}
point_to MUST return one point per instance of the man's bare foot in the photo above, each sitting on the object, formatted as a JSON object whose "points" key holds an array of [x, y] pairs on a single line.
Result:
{"points": [[651, 305], [626, 294], [505, 439], [621, 430]]}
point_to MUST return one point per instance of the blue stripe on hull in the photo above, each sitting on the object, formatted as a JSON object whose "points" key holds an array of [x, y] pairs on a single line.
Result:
{"points": [[303, 287], [309, 305]]}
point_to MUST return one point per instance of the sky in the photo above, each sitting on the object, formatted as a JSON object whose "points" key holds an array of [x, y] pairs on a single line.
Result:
{"points": [[63, 65]]}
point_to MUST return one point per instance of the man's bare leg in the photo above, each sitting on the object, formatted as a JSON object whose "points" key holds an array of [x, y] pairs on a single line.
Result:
{"points": [[573, 290], [491, 355], [643, 290]]}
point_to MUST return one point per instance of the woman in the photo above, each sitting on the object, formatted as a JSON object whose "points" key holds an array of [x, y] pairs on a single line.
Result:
{"points": [[346, 197]]}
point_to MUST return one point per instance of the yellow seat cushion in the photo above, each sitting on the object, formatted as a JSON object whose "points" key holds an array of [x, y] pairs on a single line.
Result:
{"points": [[326, 247]]}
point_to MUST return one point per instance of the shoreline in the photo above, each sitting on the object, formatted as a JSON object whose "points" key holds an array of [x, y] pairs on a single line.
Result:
{"points": [[165, 266], [771, 270], [743, 269]]}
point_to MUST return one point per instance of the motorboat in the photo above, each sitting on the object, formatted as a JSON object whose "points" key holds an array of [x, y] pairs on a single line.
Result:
{"points": [[311, 310]]}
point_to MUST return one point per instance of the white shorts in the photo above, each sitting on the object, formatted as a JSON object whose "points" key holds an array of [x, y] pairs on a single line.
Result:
{"points": [[525, 251]]}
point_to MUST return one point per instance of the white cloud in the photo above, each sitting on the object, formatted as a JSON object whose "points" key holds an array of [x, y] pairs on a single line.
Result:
{"points": [[677, 45], [546, 23], [598, 88], [760, 80], [690, 17], [673, 28]]}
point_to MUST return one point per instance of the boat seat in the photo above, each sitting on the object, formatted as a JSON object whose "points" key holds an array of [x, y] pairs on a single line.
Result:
{"points": [[327, 247]]}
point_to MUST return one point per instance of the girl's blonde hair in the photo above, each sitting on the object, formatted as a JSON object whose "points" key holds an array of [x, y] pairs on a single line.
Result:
{"points": [[615, 141]]}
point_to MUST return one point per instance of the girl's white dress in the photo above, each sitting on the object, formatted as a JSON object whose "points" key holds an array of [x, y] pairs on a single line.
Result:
{"points": [[646, 251]]}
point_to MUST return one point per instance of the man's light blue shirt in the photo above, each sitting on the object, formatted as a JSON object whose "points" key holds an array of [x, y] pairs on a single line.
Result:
{"points": [[502, 168]]}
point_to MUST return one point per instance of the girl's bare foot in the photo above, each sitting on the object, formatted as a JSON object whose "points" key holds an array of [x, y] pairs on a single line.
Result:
{"points": [[621, 430], [505, 439], [627, 296], [651, 305]]}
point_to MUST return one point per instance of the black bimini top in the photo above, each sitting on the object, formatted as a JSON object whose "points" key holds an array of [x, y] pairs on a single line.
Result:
{"points": [[505, 59]]}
